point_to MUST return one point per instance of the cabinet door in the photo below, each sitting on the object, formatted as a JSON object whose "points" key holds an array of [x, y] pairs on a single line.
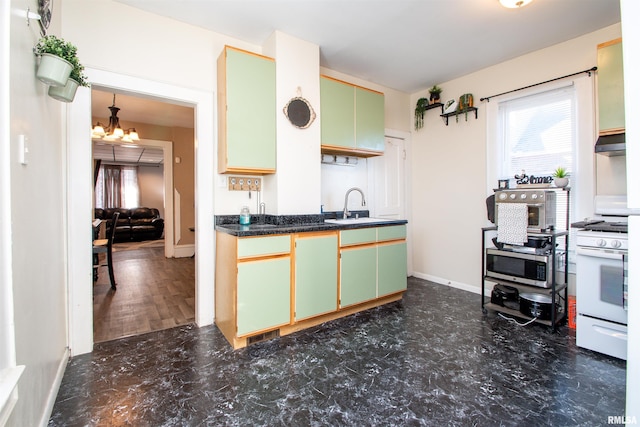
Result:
{"points": [[357, 275], [392, 268], [369, 120], [263, 294], [337, 113], [316, 275], [610, 88], [250, 112]]}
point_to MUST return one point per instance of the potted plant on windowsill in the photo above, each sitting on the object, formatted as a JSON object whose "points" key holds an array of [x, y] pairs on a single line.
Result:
{"points": [[560, 177]]}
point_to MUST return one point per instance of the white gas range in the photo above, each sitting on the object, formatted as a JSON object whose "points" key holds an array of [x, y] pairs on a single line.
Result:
{"points": [[601, 279]]}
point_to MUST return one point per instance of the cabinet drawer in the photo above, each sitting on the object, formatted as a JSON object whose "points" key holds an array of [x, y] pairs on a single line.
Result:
{"points": [[392, 232], [264, 246], [357, 236]]}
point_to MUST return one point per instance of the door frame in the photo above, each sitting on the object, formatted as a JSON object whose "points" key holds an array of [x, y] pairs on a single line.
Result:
{"points": [[79, 193]]}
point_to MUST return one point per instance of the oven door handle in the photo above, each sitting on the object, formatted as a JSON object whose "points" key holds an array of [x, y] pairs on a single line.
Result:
{"points": [[599, 253]]}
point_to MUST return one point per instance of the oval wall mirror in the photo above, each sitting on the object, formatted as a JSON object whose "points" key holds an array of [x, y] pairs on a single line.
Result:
{"points": [[299, 112]]}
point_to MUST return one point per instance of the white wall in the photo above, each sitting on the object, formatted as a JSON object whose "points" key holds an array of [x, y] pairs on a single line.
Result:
{"points": [[449, 162], [151, 183], [295, 188], [37, 243]]}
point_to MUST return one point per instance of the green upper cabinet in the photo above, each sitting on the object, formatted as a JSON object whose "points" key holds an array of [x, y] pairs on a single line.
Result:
{"points": [[247, 112], [316, 275], [352, 119], [337, 104], [369, 120], [610, 88]]}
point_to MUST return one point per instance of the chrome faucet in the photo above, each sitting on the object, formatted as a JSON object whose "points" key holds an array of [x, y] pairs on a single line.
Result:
{"points": [[345, 212]]}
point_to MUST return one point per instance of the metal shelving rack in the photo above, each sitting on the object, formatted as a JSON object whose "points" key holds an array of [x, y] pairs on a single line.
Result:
{"points": [[557, 292]]}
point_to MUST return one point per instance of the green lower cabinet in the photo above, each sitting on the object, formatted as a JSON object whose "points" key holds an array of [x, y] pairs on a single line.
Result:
{"points": [[357, 275], [392, 268], [264, 294], [316, 276]]}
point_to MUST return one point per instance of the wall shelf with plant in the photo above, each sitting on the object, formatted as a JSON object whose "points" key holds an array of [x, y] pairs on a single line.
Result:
{"points": [[456, 113], [422, 106]]}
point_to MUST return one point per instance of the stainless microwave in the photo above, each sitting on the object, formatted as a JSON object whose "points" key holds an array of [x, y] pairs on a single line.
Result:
{"points": [[520, 267], [541, 206]]}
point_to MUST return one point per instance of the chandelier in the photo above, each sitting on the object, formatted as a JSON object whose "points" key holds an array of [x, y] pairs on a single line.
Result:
{"points": [[114, 131]]}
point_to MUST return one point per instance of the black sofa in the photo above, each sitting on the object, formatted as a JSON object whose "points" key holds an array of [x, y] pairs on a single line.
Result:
{"points": [[135, 224]]}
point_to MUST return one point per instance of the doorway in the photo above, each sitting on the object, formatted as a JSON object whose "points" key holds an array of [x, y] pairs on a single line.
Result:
{"points": [[389, 179], [166, 152], [155, 290], [79, 193]]}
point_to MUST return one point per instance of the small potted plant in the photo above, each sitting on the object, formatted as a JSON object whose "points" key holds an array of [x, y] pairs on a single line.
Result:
{"points": [[56, 57], [560, 177], [77, 78], [434, 93], [421, 107]]}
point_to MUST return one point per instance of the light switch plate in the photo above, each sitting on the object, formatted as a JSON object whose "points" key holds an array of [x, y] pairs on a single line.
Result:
{"points": [[23, 150]]}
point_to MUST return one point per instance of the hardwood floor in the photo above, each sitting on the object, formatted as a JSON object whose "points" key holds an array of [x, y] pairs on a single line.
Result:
{"points": [[153, 293]]}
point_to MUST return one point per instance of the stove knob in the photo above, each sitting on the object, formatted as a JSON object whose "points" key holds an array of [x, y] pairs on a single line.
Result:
{"points": [[502, 196], [601, 242], [534, 196], [512, 196], [616, 243], [523, 196]]}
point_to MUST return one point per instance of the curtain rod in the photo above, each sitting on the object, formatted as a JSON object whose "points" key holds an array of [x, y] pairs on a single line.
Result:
{"points": [[589, 71]]}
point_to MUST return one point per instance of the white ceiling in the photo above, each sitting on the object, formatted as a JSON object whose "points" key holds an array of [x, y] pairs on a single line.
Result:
{"points": [[127, 154], [407, 45], [139, 110]]}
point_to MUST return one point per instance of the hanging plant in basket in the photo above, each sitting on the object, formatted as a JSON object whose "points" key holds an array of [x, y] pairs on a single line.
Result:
{"points": [[77, 78], [59, 67], [421, 107]]}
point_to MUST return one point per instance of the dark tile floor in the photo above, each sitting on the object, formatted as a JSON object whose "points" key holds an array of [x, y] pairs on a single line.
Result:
{"points": [[431, 359]]}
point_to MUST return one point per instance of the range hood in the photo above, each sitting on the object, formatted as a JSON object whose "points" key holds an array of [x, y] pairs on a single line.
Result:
{"points": [[611, 145]]}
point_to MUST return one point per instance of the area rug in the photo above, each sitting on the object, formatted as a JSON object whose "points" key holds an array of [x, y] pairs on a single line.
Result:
{"points": [[130, 246]]}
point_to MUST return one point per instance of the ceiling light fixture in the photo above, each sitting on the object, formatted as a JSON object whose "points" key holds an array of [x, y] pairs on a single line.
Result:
{"points": [[514, 4], [114, 130]]}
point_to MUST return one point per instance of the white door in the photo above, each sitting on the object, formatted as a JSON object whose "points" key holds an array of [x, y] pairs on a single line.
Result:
{"points": [[388, 180]]}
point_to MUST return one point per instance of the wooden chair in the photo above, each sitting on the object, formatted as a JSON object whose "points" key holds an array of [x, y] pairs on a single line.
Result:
{"points": [[105, 246]]}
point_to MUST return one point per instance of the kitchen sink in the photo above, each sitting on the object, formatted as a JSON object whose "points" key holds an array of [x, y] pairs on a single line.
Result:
{"points": [[363, 220]]}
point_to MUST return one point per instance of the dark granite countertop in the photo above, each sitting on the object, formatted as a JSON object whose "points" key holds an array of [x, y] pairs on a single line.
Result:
{"points": [[264, 225]]}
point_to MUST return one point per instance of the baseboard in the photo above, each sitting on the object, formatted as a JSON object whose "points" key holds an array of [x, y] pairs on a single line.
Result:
{"points": [[447, 282], [184, 251], [55, 387]]}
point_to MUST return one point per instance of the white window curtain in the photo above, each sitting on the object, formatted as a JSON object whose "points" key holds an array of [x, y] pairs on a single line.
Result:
{"points": [[117, 187]]}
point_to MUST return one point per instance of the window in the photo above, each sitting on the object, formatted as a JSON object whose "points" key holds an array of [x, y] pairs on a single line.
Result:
{"points": [[117, 187], [536, 134]]}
